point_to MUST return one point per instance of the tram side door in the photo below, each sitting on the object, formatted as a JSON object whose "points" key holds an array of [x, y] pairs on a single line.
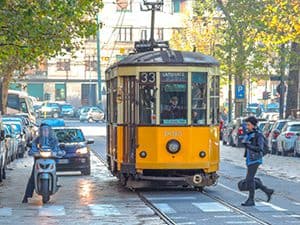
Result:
{"points": [[129, 122]]}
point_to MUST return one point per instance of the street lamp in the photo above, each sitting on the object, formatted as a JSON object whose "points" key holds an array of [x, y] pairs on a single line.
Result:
{"points": [[98, 60]]}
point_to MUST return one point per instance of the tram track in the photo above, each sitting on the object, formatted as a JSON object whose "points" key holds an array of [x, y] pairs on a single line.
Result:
{"points": [[168, 220], [235, 209]]}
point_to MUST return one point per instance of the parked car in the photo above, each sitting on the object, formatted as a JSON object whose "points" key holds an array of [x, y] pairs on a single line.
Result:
{"points": [[287, 138], [272, 139], [12, 142], [262, 124], [297, 146], [52, 122], [67, 110], [92, 114], [19, 135], [50, 109], [73, 142], [239, 132], [26, 125], [267, 128], [3, 153]]}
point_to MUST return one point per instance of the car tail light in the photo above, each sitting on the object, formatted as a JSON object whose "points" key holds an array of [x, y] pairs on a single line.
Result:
{"points": [[289, 135], [240, 131], [275, 135], [267, 134]]}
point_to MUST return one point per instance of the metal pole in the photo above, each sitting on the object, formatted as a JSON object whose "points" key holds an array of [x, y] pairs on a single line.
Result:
{"points": [[282, 85], [230, 87], [152, 24], [99, 62]]}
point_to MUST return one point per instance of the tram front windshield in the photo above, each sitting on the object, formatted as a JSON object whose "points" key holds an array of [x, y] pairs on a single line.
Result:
{"points": [[173, 98]]}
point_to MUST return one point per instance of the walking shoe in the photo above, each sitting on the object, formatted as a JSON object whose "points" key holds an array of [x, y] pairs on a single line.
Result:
{"points": [[249, 202], [269, 193]]}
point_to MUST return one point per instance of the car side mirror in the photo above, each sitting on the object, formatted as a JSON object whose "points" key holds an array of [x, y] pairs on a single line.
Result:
{"points": [[90, 141]]}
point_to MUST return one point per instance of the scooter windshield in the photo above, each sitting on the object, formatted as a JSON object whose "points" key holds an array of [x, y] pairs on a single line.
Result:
{"points": [[45, 137]]}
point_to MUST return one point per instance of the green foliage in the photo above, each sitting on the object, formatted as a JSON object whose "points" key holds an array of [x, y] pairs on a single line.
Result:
{"points": [[33, 29]]}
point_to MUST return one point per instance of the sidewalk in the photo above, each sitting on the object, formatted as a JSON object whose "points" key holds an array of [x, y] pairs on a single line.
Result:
{"points": [[95, 199], [287, 168]]}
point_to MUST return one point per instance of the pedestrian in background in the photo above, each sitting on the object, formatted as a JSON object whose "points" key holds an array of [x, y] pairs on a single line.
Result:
{"points": [[254, 144]]}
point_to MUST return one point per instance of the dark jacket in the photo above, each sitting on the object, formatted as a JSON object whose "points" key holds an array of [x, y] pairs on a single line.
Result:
{"points": [[254, 144]]}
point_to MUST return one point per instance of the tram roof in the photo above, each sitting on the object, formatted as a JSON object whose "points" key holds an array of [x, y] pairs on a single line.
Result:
{"points": [[167, 58]]}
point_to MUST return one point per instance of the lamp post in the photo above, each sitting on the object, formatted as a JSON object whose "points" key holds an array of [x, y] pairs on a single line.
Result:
{"points": [[98, 61]]}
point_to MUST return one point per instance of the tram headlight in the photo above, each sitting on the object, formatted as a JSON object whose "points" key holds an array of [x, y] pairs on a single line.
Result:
{"points": [[143, 154], [202, 154], [173, 146]]}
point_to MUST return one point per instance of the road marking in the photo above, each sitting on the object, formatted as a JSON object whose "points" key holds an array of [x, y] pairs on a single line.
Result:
{"points": [[5, 211], [233, 190], [104, 210], [264, 206], [186, 223], [165, 208], [234, 216], [286, 216], [171, 198], [296, 203], [52, 210], [241, 222], [211, 207]]}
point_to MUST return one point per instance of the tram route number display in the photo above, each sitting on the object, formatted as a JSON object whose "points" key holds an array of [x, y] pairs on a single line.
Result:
{"points": [[148, 77]]}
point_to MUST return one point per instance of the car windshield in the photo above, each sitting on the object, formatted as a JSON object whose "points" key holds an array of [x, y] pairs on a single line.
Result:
{"points": [[280, 125], [85, 110], [69, 135], [17, 128], [67, 107], [295, 127]]}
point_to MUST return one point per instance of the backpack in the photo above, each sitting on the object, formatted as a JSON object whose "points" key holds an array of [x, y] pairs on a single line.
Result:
{"points": [[266, 147], [243, 185]]}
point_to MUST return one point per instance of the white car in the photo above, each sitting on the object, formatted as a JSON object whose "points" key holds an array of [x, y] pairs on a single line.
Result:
{"points": [[297, 146], [286, 139]]}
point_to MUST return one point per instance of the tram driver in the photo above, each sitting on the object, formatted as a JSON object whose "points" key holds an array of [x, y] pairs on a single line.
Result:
{"points": [[173, 110]]}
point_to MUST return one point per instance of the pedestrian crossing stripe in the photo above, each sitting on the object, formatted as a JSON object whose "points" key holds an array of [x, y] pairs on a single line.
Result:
{"points": [[5, 211], [266, 206], [104, 210], [211, 207], [52, 210], [165, 208]]}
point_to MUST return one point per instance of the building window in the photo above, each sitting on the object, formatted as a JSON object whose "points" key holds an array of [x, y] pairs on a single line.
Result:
{"points": [[125, 34], [125, 5], [63, 65], [178, 6], [60, 92]]}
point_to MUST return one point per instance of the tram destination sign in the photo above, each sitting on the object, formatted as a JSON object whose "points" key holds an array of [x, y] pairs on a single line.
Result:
{"points": [[173, 77]]}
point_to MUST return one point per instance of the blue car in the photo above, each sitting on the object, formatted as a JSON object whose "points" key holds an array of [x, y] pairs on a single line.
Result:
{"points": [[77, 157], [54, 122]]}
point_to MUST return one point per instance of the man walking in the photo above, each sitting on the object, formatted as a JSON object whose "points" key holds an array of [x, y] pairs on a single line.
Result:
{"points": [[254, 143]]}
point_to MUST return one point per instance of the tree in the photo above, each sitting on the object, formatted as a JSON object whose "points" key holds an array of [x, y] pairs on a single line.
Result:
{"points": [[31, 30]]}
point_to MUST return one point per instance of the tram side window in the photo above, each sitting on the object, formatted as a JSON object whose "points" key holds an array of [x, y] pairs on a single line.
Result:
{"points": [[173, 98], [114, 88], [199, 98], [147, 98], [214, 99]]}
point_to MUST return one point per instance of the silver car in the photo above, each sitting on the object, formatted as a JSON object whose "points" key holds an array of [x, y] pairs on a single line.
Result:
{"points": [[286, 140], [92, 114], [297, 146], [275, 132]]}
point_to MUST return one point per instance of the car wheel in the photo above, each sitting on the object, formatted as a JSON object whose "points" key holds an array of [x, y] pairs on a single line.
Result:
{"points": [[87, 171], [55, 115]]}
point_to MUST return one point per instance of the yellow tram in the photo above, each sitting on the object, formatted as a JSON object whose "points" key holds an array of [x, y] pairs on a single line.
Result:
{"points": [[162, 118]]}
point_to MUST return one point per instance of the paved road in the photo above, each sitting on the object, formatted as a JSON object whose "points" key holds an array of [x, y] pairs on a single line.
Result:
{"points": [[221, 204], [99, 199]]}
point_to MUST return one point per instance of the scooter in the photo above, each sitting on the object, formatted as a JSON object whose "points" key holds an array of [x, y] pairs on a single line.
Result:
{"points": [[45, 179]]}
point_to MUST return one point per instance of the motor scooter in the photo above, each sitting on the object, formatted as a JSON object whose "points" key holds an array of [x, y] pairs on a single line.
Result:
{"points": [[45, 179]]}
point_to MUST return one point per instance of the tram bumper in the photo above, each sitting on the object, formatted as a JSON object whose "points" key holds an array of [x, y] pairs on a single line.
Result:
{"points": [[197, 180]]}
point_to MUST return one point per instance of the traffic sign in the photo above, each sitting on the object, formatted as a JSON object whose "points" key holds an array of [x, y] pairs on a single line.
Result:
{"points": [[240, 91]]}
